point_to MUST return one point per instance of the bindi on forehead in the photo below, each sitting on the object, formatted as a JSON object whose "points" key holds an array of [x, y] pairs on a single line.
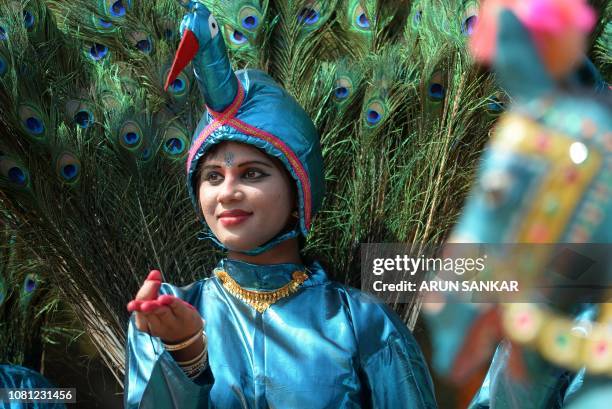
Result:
{"points": [[228, 159]]}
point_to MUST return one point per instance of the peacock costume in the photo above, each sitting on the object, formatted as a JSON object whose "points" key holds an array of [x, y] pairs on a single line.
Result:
{"points": [[281, 336], [545, 178]]}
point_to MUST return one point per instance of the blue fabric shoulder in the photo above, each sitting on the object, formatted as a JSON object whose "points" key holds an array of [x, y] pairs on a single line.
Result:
{"points": [[391, 359]]}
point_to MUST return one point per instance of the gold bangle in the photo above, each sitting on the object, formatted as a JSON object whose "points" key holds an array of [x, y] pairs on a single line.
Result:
{"points": [[195, 370], [184, 344], [192, 361]]}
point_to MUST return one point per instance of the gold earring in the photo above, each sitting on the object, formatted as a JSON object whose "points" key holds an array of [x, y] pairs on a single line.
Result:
{"points": [[295, 214]]}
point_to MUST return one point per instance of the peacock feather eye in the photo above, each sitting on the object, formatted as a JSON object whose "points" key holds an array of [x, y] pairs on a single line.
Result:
{"points": [[177, 85], [343, 88], [97, 52], [416, 18], [470, 18], [168, 29], [494, 106], [68, 168], [436, 89], [141, 41], [234, 37], [30, 283], [16, 174], [4, 64], [146, 153], [84, 119], [175, 142], [28, 20], [105, 24], [144, 46], [130, 136], [309, 15], [249, 18], [80, 113], [174, 146], [116, 8], [32, 121], [468, 25], [360, 19], [180, 87], [375, 112]]}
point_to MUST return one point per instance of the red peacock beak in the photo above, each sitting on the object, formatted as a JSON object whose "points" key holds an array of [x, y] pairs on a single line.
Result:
{"points": [[187, 49]]}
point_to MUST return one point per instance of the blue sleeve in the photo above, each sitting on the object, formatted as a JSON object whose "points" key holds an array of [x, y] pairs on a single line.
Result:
{"points": [[397, 374], [154, 380], [393, 367]]}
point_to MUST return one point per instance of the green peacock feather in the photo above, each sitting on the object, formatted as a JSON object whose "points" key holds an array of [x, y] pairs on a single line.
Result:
{"points": [[29, 306], [243, 25]]}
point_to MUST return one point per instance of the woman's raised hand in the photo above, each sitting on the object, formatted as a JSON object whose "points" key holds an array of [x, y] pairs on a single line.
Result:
{"points": [[167, 317]]}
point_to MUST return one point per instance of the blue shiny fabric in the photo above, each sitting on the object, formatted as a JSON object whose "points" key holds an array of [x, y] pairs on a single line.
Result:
{"points": [[325, 346], [14, 376]]}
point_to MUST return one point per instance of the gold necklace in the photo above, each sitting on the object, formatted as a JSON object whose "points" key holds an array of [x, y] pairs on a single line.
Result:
{"points": [[261, 300]]}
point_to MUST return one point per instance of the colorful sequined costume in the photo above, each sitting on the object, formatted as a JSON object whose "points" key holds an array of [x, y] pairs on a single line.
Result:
{"points": [[544, 178]]}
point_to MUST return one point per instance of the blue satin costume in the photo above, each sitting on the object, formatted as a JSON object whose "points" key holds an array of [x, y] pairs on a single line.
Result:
{"points": [[326, 345]]}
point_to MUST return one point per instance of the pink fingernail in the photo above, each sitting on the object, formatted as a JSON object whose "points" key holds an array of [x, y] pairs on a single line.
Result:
{"points": [[155, 275], [166, 299], [132, 306], [136, 305]]}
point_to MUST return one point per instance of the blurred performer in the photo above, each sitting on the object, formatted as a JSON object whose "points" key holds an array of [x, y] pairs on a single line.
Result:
{"points": [[545, 178]]}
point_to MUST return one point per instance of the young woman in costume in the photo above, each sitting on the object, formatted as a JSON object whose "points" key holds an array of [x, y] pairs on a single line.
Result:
{"points": [[265, 330]]}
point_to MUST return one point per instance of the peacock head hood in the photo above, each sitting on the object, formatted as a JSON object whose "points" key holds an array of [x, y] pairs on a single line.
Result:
{"points": [[248, 107]]}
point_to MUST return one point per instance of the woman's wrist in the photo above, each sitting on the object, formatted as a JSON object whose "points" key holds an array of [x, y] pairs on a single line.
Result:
{"points": [[195, 346], [192, 359], [185, 343]]}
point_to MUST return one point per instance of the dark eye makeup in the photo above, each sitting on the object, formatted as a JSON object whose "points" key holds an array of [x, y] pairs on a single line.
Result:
{"points": [[250, 174]]}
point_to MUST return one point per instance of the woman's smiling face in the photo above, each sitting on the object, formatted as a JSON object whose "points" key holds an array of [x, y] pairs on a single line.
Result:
{"points": [[246, 196]]}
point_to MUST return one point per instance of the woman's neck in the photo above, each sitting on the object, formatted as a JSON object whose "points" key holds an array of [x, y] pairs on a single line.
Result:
{"points": [[287, 251]]}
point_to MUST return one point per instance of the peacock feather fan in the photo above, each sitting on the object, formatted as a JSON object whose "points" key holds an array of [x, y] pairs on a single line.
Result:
{"points": [[91, 157]]}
